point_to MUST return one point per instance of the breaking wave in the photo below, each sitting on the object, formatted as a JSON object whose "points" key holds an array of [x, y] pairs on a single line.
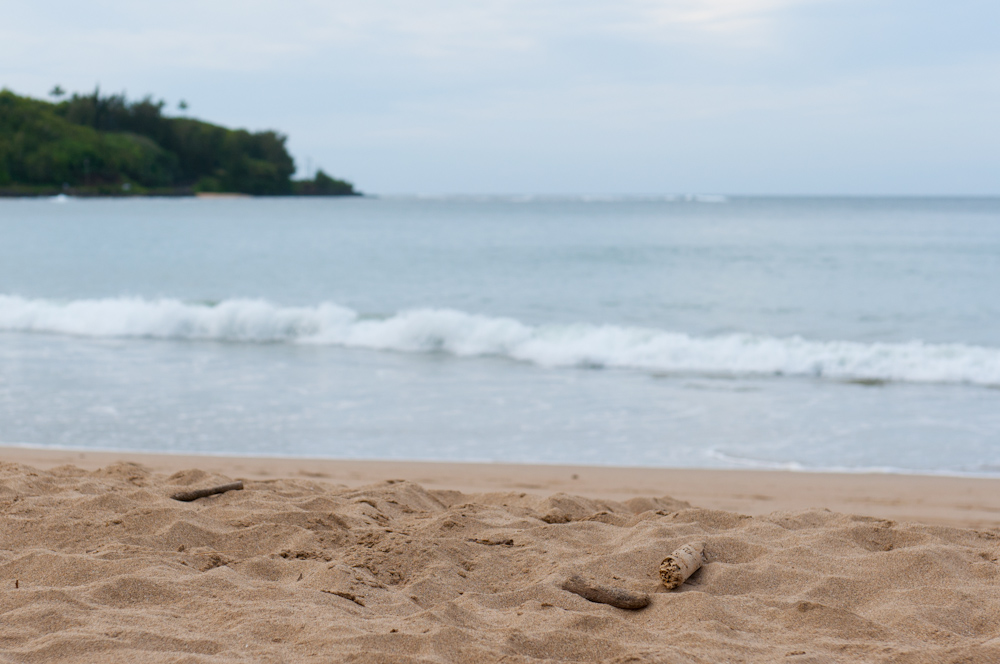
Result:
{"points": [[464, 334]]}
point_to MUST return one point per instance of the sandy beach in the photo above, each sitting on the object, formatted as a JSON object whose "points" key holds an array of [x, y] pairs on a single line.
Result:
{"points": [[950, 501], [316, 561]]}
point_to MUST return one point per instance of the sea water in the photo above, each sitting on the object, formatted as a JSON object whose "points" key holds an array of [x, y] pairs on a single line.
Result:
{"points": [[847, 334]]}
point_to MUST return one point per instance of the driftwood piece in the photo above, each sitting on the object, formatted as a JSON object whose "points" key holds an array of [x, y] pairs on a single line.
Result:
{"points": [[682, 563], [188, 496], [595, 592]]}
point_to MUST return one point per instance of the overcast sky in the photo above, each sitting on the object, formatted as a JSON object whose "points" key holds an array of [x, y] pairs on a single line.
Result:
{"points": [[559, 96]]}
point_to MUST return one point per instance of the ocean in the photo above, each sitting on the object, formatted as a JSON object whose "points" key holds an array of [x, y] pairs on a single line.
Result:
{"points": [[840, 334]]}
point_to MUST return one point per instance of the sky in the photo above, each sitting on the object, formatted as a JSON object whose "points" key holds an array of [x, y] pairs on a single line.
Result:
{"points": [[760, 97]]}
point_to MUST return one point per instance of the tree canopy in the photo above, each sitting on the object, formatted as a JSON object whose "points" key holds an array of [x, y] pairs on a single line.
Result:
{"points": [[108, 144]]}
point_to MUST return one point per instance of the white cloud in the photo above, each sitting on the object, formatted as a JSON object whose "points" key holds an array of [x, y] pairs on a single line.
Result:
{"points": [[446, 28], [254, 34]]}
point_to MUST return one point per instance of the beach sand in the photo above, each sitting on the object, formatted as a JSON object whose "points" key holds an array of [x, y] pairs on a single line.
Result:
{"points": [[321, 561]]}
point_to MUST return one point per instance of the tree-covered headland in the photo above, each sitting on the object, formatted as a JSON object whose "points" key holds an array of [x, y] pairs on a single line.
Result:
{"points": [[108, 145]]}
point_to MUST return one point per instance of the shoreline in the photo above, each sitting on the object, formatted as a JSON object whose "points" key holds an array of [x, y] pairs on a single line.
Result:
{"points": [[4, 194], [965, 502]]}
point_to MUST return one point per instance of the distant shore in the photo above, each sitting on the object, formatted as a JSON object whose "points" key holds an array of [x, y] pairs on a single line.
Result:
{"points": [[118, 192], [107, 145]]}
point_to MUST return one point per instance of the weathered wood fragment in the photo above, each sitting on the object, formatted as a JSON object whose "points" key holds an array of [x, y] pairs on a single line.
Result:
{"points": [[595, 592], [188, 496]]}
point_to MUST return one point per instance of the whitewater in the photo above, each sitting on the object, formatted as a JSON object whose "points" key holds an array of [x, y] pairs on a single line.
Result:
{"points": [[847, 334], [466, 335]]}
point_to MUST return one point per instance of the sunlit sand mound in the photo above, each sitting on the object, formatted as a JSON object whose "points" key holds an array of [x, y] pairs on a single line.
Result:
{"points": [[105, 566]]}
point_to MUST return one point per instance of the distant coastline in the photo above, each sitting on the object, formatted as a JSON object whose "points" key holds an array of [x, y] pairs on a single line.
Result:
{"points": [[176, 192], [93, 145]]}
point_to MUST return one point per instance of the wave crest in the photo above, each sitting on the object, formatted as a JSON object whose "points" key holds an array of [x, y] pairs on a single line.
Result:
{"points": [[463, 334]]}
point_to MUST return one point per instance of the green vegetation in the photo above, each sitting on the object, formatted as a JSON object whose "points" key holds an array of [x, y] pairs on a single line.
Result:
{"points": [[94, 145], [322, 185]]}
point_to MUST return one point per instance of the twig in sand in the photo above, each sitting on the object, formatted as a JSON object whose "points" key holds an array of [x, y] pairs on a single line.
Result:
{"points": [[682, 563], [595, 592], [339, 593], [188, 496]]}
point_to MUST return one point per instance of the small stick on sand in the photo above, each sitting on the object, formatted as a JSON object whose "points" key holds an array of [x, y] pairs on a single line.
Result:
{"points": [[188, 496], [682, 563], [617, 597]]}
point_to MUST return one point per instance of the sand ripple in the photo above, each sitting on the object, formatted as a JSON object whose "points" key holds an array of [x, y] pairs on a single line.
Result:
{"points": [[108, 568]]}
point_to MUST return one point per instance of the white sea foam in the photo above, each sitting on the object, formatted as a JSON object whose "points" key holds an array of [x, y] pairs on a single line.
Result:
{"points": [[983, 470], [464, 334]]}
